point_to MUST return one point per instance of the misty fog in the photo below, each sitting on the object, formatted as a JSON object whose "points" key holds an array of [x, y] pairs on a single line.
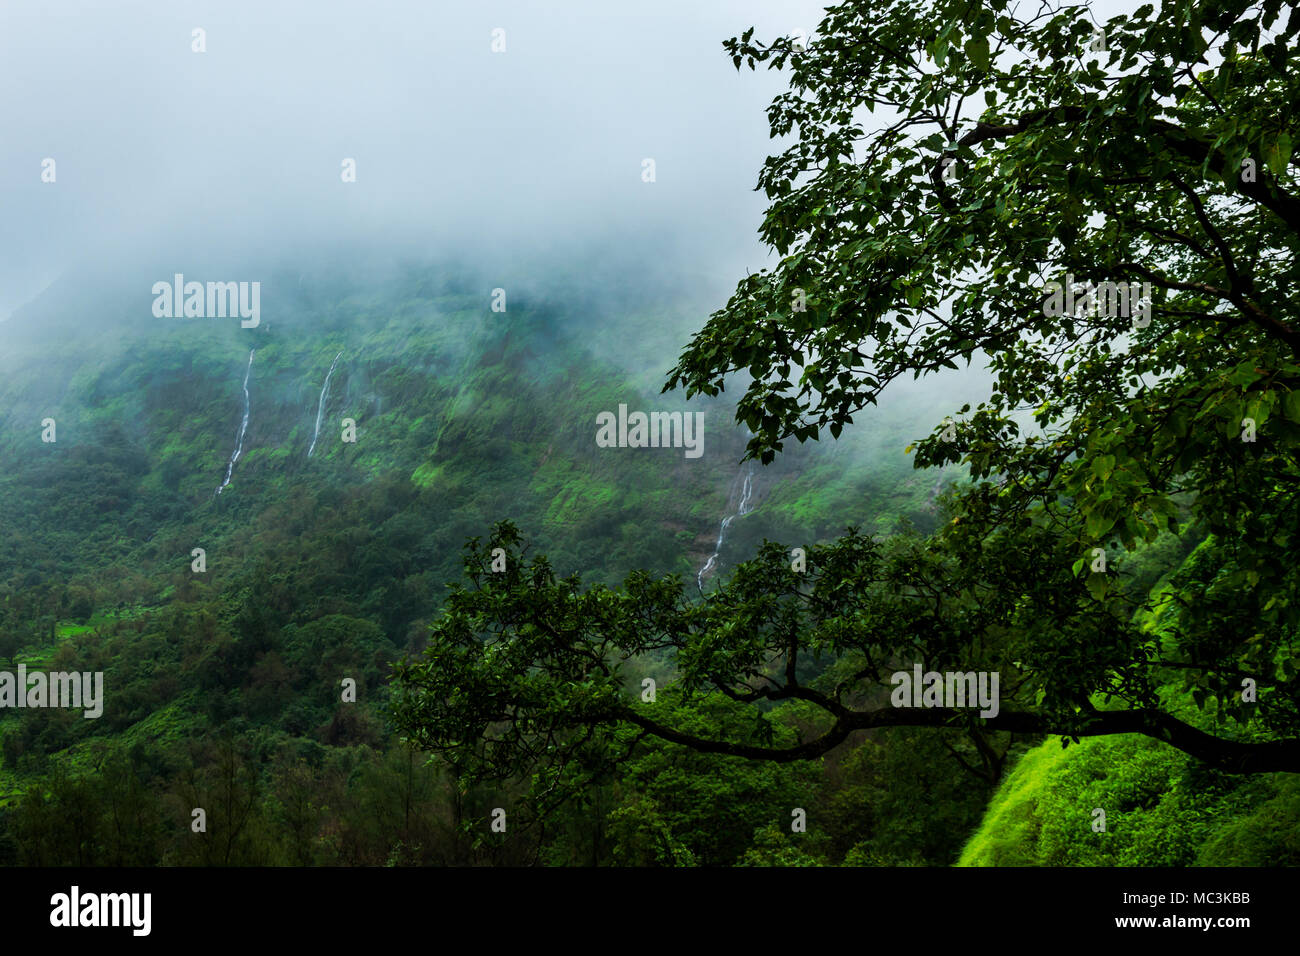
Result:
{"points": [[457, 148]]}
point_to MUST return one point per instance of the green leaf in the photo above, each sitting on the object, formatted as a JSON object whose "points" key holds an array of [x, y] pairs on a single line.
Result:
{"points": [[1291, 406], [1098, 523], [1278, 153]]}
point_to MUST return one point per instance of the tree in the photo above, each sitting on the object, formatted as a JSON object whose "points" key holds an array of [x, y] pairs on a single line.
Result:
{"points": [[1105, 213], [11, 642]]}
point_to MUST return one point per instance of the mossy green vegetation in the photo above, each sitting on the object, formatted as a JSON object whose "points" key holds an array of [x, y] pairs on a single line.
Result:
{"points": [[1161, 809]]}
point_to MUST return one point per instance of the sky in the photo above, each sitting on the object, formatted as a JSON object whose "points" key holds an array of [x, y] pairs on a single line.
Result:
{"points": [[157, 147]]}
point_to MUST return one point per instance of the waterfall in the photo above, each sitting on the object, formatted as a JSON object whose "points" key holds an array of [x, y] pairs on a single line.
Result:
{"points": [[320, 409], [743, 508], [243, 426]]}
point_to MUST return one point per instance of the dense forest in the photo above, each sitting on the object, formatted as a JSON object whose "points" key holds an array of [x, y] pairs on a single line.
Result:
{"points": [[1018, 399], [223, 686]]}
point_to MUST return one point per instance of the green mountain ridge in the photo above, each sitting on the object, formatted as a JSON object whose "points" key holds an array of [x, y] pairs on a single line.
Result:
{"points": [[323, 568]]}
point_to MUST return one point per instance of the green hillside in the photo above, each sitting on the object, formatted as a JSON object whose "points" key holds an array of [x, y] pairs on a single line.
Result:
{"points": [[326, 567], [225, 687]]}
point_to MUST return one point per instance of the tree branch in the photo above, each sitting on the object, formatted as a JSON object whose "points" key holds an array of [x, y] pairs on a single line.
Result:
{"points": [[1229, 756]]}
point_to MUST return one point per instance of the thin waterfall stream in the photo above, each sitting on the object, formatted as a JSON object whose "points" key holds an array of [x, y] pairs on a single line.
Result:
{"points": [[243, 426], [744, 507], [320, 410]]}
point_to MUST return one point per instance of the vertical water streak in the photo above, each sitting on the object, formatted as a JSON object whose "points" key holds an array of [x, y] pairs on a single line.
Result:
{"points": [[243, 426], [743, 508], [320, 409]]}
